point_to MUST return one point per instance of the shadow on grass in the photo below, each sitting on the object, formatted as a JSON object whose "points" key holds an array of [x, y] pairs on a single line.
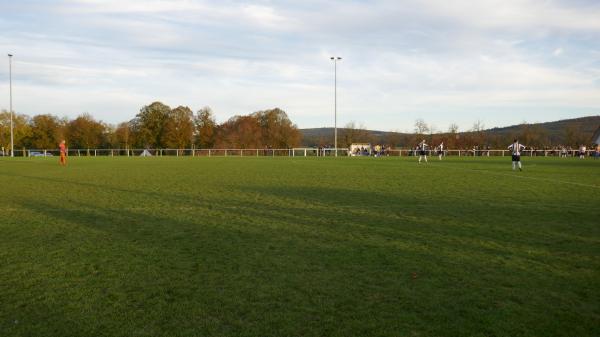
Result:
{"points": [[300, 261]]}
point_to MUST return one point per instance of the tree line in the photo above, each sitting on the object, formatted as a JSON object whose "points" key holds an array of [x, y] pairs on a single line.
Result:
{"points": [[160, 126], [156, 126], [534, 135]]}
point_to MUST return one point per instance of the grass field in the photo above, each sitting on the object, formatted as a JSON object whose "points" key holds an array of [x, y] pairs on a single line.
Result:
{"points": [[299, 247]]}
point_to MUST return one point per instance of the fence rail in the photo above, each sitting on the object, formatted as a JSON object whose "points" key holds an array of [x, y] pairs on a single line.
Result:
{"points": [[293, 152]]}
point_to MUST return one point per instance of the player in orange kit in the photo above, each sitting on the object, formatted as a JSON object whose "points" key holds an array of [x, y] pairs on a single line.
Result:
{"points": [[63, 153]]}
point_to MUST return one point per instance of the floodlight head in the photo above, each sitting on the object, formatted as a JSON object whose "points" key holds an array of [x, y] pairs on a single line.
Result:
{"points": [[339, 58], [332, 57], [9, 55]]}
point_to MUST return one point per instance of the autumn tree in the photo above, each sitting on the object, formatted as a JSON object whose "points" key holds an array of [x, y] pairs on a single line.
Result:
{"points": [[178, 129], [85, 132], [46, 131], [277, 129], [123, 135], [240, 132], [21, 130], [149, 124], [206, 127]]}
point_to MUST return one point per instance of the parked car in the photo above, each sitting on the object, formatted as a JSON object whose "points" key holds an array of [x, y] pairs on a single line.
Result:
{"points": [[40, 154]]}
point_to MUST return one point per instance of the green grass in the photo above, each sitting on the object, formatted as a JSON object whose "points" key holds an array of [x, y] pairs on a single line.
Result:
{"points": [[299, 247]]}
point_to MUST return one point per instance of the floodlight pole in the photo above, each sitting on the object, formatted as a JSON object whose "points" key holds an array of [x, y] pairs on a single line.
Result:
{"points": [[335, 59], [12, 144]]}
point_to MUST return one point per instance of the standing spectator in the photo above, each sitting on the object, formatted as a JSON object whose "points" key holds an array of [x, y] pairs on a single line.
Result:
{"points": [[582, 150]]}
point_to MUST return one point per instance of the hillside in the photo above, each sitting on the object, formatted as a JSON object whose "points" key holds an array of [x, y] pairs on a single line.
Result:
{"points": [[585, 124], [556, 132]]}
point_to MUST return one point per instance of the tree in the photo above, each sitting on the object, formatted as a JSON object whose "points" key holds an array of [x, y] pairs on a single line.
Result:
{"points": [[354, 134], [205, 128], [453, 139], [277, 129], [478, 133], [393, 138], [21, 130], [240, 132], [85, 132], [533, 135], [123, 135], [573, 136], [148, 125], [46, 131], [421, 127], [178, 128]]}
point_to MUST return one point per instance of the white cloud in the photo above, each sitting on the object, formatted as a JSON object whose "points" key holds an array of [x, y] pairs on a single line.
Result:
{"points": [[401, 60], [558, 51]]}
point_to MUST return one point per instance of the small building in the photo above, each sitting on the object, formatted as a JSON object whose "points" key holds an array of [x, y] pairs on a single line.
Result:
{"points": [[360, 149]]}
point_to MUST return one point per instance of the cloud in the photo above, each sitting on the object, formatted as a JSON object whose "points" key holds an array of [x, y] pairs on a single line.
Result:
{"points": [[558, 51], [402, 60]]}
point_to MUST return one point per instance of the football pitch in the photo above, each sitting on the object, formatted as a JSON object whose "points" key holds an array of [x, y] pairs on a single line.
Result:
{"points": [[299, 247]]}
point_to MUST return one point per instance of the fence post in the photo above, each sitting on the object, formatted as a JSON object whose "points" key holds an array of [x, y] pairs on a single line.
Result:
{"points": [[225, 153], [209, 152]]}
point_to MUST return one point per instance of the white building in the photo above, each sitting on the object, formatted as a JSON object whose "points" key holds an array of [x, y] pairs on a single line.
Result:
{"points": [[360, 149]]}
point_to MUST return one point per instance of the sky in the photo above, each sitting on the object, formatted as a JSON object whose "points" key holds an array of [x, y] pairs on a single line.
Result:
{"points": [[501, 62]]}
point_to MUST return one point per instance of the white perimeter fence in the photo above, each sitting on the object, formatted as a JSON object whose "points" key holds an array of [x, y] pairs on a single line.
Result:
{"points": [[295, 152]]}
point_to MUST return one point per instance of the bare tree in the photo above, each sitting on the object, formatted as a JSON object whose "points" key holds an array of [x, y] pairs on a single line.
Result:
{"points": [[421, 127], [453, 128], [479, 135], [478, 126]]}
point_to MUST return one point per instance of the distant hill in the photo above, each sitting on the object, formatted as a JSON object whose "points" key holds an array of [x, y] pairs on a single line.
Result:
{"points": [[555, 132], [584, 124], [316, 133]]}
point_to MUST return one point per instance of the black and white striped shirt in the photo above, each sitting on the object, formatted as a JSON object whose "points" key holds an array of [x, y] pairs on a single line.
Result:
{"points": [[516, 148]]}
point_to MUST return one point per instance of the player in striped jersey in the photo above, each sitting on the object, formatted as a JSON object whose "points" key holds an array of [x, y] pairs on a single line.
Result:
{"points": [[516, 148], [423, 151], [440, 150]]}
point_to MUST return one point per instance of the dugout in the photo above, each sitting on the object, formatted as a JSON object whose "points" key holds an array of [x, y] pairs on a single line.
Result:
{"points": [[360, 149]]}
